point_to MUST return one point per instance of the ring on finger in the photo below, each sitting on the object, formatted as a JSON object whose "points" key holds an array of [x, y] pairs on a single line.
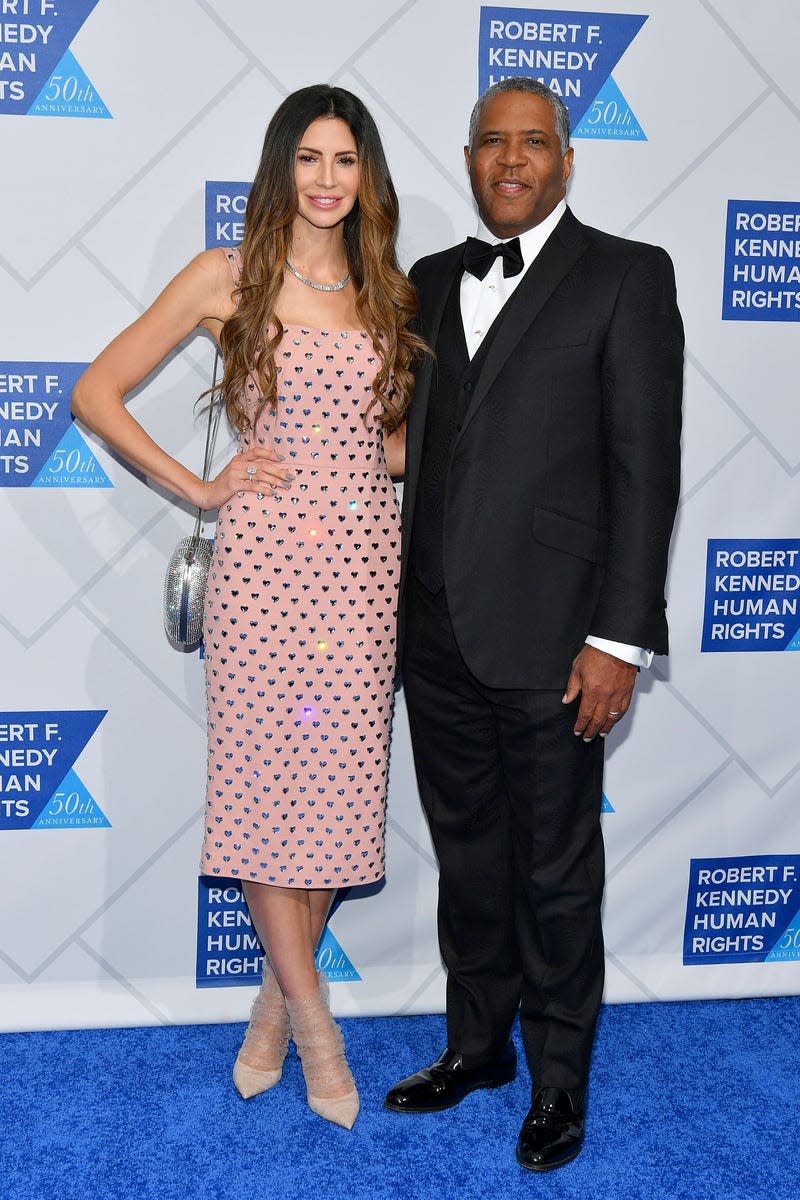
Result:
{"points": [[615, 714], [252, 471]]}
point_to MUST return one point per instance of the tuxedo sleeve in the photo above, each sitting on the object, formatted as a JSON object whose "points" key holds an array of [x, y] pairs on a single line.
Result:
{"points": [[642, 382]]}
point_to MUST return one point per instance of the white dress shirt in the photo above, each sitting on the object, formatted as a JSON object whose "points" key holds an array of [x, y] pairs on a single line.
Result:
{"points": [[481, 301]]}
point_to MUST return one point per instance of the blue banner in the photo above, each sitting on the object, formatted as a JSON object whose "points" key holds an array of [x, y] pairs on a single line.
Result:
{"points": [[573, 53], [229, 953], [752, 597], [39, 76], [37, 753], [743, 910], [761, 279], [39, 444], [225, 207]]}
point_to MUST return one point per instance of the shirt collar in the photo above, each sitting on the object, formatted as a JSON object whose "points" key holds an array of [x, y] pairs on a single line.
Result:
{"points": [[532, 240]]}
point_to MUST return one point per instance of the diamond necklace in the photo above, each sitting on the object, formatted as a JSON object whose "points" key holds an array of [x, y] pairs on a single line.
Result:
{"points": [[318, 287]]}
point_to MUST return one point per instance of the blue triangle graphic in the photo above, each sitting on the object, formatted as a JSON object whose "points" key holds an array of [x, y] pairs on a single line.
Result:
{"points": [[606, 806], [790, 953], [71, 807], [72, 465], [68, 93], [610, 116], [331, 959], [794, 644]]}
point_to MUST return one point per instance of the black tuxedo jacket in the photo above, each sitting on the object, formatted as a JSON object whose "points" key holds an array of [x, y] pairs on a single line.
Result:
{"points": [[562, 483]]}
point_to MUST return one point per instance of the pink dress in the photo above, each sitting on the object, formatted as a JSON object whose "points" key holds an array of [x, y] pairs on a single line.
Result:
{"points": [[300, 633]]}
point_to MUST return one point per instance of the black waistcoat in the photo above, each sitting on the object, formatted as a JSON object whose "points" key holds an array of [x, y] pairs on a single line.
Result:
{"points": [[451, 391]]}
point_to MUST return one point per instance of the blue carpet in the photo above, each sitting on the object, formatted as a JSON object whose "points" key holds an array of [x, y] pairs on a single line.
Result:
{"points": [[690, 1101]]}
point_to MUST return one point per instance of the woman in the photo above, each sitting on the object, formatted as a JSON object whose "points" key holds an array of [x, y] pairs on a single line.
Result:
{"points": [[313, 317]]}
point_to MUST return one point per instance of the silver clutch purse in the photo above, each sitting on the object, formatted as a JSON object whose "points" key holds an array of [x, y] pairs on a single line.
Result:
{"points": [[187, 570], [185, 590]]}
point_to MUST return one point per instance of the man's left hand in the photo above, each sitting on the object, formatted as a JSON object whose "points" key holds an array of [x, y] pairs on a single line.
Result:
{"points": [[605, 685]]}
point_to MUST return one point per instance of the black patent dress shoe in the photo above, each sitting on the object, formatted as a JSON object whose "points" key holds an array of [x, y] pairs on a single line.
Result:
{"points": [[447, 1081], [552, 1132]]}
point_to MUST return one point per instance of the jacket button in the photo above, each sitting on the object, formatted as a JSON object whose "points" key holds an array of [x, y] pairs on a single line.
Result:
{"points": [[468, 386]]}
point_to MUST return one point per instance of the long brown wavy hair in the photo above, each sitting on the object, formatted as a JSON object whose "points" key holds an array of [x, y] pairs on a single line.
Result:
{"points": [[385, 301]]}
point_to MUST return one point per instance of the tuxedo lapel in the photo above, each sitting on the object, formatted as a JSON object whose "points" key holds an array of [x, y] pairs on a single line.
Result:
{"points": [[432, 302], [557, 257]]}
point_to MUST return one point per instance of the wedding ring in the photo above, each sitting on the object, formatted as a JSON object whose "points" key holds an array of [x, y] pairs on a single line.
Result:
{"points": [[252, 472], [614, 714]]}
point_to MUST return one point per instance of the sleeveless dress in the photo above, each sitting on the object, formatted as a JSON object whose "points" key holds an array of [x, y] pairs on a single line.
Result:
{"points": [[300, 620]]}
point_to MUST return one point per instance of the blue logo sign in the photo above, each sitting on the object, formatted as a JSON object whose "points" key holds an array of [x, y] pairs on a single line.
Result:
{"points": [[752, 592], [762, 261], [332, 960], [606, 806], [39, 444], [229, 953], [39, 75], [225, 207], [573, 53], [39, 788], [743, 910]]}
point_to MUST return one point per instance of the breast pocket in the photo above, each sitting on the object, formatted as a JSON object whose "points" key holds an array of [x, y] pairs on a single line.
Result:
{"points": [[564, 341]]}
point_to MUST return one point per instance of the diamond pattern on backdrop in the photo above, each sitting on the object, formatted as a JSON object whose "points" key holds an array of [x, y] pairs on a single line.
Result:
{"points": [[132, 62], [103, 212]]}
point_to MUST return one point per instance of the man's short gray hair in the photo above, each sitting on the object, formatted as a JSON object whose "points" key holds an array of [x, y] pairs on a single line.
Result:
{"points": [[522, 83]]}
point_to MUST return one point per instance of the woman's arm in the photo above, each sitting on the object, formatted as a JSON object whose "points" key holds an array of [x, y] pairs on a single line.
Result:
{"points": [[394, 447], [200, 295]]}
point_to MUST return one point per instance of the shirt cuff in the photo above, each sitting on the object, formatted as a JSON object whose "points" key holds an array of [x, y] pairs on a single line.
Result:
{"points": [[634, 655]]}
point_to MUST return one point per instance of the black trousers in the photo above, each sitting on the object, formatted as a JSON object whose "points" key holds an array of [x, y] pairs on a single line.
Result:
{"points": [[513, 801]]}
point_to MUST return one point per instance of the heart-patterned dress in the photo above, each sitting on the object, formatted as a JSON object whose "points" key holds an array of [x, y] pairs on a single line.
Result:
{"points": [[300, 624]]}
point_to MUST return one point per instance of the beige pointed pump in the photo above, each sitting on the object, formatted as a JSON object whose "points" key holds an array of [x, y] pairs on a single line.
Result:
{"points": [[331, 1091], [259, 1063]]}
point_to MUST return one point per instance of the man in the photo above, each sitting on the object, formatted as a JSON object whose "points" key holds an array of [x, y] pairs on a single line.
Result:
{"points": [[541, 485]]}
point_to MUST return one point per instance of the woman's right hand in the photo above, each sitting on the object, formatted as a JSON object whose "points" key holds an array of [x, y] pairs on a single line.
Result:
{"points": [[257, 469]]}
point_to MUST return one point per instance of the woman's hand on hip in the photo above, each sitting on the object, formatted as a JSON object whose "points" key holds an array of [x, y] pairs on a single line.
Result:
{"points": [[258, 469]]}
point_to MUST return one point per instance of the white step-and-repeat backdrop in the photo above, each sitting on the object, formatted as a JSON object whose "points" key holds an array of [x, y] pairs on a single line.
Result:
{"points": [[130, 129]]}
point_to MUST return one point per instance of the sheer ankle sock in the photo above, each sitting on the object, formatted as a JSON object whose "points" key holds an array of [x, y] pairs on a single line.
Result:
{"points": [[259, 1062], [329, 1085]]}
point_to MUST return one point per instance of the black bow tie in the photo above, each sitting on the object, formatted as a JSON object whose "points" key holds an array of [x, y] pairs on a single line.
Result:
{"points": [[479, 256]]}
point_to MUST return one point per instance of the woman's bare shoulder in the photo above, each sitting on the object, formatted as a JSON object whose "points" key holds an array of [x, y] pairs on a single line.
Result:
{"points": [[213, 275]]}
